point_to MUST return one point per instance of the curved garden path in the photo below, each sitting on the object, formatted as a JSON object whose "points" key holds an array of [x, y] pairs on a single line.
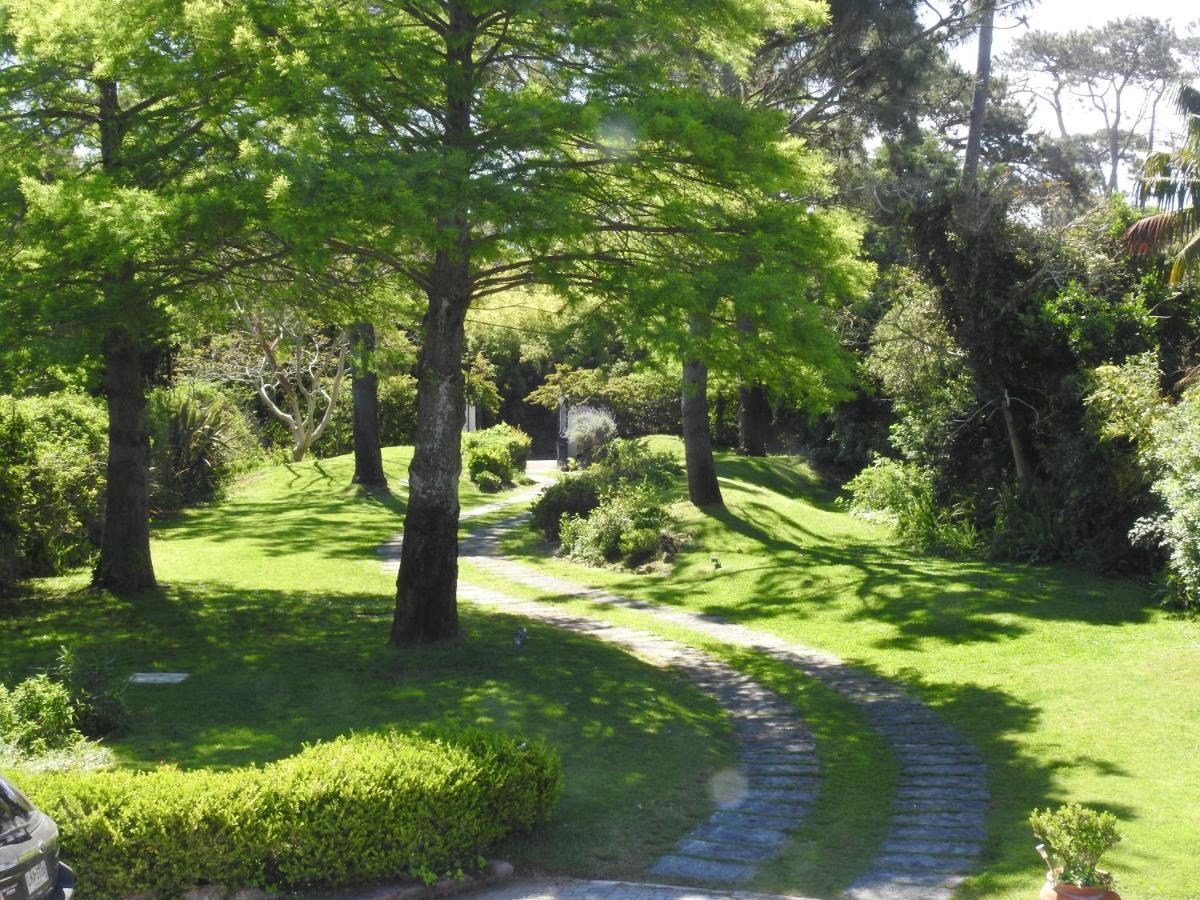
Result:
{"points": [[941, 797]]}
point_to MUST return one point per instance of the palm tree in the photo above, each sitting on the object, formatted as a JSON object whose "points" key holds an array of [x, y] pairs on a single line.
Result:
{"points": [[1173, 179]]}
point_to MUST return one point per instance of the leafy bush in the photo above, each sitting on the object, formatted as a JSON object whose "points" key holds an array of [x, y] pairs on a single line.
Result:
{"points": [[36, 716], [589, 430], [902, 495], [629, 460], [642, 403], [1075, 837], [575, 494], [97, 694], [357, 809], [52, 475], [199, 441], [501, 450], [616, 528], [488, 482]]}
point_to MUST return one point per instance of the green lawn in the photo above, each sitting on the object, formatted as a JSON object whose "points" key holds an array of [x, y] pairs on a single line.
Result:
{"points": [[276, 604], [1074, 686]]}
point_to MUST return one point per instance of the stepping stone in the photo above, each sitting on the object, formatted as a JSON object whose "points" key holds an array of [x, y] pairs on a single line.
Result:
{"points": [[758, 807], [742, 819], [691, 869], [751, 853], [733, 834], [158, 677], [931, 848]]}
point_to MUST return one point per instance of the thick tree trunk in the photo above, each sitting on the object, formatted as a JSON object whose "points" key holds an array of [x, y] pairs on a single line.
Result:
{"points": [[368, 456], [426, 589], [703, 487], [754, 420], [1020, 459], [125, 564]]}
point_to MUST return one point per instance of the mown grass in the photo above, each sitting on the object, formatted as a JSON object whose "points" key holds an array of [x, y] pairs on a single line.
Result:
{"points": [[275, 602], [1074, 686]]}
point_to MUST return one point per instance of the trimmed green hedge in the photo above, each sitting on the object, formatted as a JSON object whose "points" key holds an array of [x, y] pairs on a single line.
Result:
{"points": [[502, 450], [357, 809]]}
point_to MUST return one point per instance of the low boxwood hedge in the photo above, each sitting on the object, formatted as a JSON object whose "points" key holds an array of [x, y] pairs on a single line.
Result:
{"points": [[357, 809]]}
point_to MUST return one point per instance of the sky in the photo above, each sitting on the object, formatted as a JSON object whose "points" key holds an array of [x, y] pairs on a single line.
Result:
{"points": [[1077, 15]]}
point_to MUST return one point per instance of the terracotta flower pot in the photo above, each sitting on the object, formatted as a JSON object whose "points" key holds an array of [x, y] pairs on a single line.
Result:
{"points": [[1064, 891]]}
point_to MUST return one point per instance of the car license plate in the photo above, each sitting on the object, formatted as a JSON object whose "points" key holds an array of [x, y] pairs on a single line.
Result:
{"points": [[36, 878]]}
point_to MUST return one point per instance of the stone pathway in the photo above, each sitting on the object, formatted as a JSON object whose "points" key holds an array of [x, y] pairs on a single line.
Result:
{"points": [[775, 781], [941, 798], [569, 889]]}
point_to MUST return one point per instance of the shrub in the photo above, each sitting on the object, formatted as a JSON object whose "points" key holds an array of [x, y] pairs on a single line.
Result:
{"points": [[356, 809], [36, 716], [629, 460], [1075, 837], [52, 453], [199, 441], [589, 429], [488, 482], [576, 494], [902, 495], [620, 521], [97, 694], [501, 450]]}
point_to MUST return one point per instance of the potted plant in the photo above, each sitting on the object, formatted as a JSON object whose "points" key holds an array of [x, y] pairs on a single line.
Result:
{"points": [[1073, 838]]}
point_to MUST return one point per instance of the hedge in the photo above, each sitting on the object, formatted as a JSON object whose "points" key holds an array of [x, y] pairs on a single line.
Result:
{"points": [[502, 450], [357, 809]]}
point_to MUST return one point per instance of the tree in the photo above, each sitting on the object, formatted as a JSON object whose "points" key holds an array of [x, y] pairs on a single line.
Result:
{"points": [[1173, 179], [368, 454], [121, 191], [475, 147], [1119, 70]]}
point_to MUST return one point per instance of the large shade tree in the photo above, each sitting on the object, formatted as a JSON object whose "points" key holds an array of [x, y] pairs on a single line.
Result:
{"points": [[475, 146], [120, 191]]}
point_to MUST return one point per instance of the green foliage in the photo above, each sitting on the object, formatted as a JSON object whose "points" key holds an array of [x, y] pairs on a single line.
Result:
{"points": [[502, 451], [589, 430], [356, 809], [1075, 837], [96, 692], [53, 472], [574, 495], [903, 496], [620, 527], [630, 460], [36, 716], [488, 482], [199, 441], [642, 402]]}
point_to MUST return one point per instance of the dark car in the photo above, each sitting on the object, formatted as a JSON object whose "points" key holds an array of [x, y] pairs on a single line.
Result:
{"points": [[29, 866]]}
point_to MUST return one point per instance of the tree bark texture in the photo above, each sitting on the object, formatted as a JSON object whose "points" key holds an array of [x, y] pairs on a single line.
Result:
{"points": [[754, 420], [364, 388], [427, 586], [1021, 462], [703, 487], [983, 79], [125, 565]]}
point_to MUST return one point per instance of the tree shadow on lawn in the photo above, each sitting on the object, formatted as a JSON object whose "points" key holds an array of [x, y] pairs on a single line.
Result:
{"points": [[270, 671], [923, 599]]}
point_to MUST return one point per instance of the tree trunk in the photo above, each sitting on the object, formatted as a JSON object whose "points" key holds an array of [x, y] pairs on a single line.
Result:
{"points": [[1016, 445], [983, 79], [754, 420], [426, 588], [364, 388], [703, 487], [125, 565]]}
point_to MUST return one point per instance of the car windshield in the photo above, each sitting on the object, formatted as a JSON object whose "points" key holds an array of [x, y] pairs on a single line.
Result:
{"points": [[13, 806]]}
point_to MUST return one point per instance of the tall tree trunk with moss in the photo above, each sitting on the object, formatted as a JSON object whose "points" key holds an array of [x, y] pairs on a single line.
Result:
{"points": [[364, 388]]}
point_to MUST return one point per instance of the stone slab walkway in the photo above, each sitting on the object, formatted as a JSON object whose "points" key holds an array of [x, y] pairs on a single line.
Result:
{"points": [[568, 889], [776, 778], [941, 798]]}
